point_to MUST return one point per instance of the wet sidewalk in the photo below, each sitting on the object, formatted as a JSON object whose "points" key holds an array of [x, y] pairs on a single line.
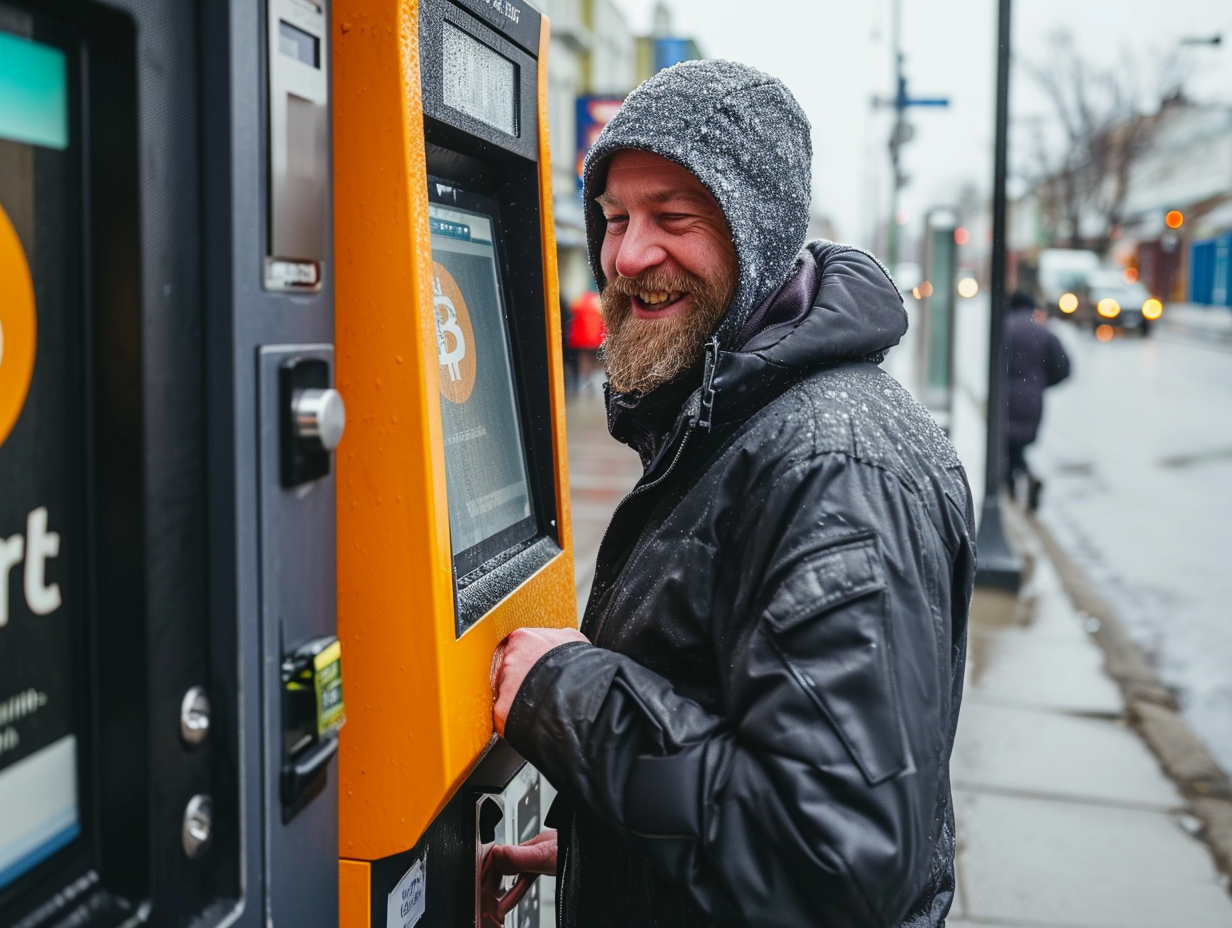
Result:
{"points": [[601, 472], [1065, 817]]}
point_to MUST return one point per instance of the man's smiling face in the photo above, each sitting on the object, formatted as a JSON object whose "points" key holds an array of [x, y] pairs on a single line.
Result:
{"points": [[670, 266]]}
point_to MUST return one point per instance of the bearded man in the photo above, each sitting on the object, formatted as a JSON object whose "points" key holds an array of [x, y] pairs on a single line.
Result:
{"points": [[754, 725]]}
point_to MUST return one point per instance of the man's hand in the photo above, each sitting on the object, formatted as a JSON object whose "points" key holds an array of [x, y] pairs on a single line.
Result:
{"points": [[526, 862], [529, 861], [514, 658]]}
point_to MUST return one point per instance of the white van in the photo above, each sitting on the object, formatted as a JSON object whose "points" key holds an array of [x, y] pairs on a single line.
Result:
{"points": [[1061, 271]]}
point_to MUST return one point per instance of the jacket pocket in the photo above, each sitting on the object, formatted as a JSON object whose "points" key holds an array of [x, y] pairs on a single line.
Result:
{"points": [[829, 621]]}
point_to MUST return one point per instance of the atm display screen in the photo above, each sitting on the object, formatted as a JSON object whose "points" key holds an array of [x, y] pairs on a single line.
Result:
{"points": [[490, 505], [41, 477]]}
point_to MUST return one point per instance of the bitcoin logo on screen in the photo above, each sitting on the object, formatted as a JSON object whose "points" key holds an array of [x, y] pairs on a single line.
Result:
{"points": [[17, 326], [455, 340]]}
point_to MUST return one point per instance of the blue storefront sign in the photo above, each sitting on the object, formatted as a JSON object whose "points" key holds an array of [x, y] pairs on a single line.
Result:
{"points": [[672, 51], [1210, 271], [593, 113]]}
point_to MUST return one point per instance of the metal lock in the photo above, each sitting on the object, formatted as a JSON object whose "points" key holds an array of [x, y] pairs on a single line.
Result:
{"points": [[195, 716], [198, 826]]}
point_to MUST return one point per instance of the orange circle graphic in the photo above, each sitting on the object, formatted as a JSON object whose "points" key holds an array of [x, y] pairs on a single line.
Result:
{"points": [[18, 324], [455, 339]]}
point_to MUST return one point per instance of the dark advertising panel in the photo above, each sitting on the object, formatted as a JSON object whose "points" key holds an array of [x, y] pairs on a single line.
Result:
{"points": [[41, 472], [490, 509]]}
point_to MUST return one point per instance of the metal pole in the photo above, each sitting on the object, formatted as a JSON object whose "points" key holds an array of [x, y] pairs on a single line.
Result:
{"points": [[896, 144], [999, 565], [896, 14]]}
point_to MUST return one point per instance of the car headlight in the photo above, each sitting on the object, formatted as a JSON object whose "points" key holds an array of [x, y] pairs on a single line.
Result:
{"points": [[1108, 308], [1068, 303], [1152, 309]]}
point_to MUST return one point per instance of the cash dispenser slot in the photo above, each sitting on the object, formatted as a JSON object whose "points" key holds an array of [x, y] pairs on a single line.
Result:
{"points": [[509, 809]]}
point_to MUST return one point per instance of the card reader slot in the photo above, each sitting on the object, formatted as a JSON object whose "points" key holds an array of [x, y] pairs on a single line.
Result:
{"points": [[305, 772]]}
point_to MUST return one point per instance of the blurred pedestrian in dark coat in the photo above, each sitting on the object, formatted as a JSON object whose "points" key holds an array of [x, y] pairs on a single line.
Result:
{"points": [[1035, 361]]}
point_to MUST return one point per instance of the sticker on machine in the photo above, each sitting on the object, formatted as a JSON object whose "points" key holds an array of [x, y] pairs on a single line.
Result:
{"points": [[409, 899], [455, 339], [17, 326]]}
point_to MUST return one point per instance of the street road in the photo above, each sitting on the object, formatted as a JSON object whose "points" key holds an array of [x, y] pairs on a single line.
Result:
{"points": [[1136, 454]]}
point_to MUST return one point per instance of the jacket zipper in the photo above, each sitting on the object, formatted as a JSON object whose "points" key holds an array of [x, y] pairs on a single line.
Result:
{"points": [[562, 884], [702, 419], [636, 491]]}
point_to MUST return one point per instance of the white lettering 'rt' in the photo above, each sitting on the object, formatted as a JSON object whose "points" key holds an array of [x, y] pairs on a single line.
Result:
{"points": [[40, 545], [11, 551]]}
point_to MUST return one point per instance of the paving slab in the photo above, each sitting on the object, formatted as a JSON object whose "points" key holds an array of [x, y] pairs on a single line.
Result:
{"points": [[1045, 753], [1041, 862], [1052, 612], [1047, 673]]}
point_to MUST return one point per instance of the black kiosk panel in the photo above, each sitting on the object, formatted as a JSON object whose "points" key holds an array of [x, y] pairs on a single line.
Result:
{"points": [[481, 128], [42, 522]]}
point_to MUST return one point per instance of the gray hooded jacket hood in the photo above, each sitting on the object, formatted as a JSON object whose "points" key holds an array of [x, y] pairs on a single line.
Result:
{"points": [[742, 134]]}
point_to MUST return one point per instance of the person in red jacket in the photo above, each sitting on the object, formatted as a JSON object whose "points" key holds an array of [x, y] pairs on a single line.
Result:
{"points": [[585, 336]]}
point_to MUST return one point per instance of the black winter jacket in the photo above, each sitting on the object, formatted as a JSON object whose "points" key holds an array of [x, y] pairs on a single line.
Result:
{"points": [[1034, 362], [760, 733]]}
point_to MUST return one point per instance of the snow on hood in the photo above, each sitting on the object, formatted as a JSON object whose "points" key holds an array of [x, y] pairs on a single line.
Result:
{"points": [[742, 134]]}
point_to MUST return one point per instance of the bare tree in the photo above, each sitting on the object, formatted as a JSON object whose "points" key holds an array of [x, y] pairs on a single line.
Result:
{"points": [[1107, 122]]}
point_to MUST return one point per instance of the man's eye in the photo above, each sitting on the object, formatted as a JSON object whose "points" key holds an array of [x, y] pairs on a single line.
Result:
{"points": [[615, 220]]}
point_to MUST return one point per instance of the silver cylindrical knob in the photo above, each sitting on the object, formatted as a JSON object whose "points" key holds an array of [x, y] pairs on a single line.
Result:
{"points": [[198, 825], [320, 416], [195, 716]]}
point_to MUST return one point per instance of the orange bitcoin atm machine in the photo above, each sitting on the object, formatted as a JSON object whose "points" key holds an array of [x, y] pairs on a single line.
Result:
{"points": [[453, 518]]}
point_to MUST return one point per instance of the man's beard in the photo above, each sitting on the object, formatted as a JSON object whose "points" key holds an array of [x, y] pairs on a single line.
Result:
{"points": [[641, 354]]}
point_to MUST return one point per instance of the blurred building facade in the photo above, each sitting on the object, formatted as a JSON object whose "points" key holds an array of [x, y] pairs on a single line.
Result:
{"points": [[595, 59], [1188, 171], [1175, 231]]}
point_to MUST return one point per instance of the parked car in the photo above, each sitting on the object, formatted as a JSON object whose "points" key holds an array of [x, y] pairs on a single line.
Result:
{"points": [[1105, 297]]}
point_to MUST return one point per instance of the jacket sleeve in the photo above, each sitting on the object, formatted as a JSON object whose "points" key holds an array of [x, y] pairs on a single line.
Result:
{"points": [[813, 798], [1056, 361]]}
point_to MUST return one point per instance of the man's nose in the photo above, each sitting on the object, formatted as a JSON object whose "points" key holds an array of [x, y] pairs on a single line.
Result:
{"points": [[640, 249]]}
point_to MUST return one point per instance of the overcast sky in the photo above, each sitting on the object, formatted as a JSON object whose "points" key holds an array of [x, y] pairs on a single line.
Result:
{"points": [[835, 56]]}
